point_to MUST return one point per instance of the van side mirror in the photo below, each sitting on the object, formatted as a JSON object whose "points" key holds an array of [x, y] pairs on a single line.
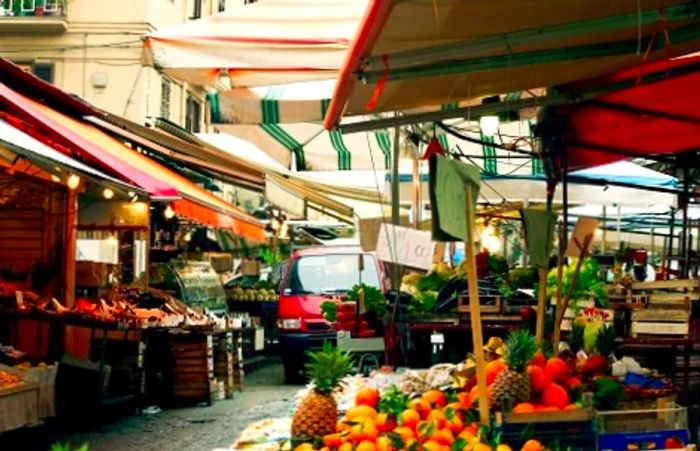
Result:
{"points": [[287, 291]]}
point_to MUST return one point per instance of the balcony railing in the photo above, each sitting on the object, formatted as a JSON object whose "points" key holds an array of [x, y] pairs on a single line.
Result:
{"points": [[32, 8]]}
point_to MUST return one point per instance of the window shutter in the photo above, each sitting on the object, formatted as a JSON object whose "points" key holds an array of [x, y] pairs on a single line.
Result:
{"points": [[43, 71]]}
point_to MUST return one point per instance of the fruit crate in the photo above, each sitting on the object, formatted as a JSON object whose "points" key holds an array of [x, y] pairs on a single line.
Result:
{"points": [[644, 428], [571, 435], [191, 374]]}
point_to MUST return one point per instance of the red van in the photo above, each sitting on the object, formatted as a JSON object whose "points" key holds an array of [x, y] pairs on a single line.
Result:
{"points": [[313, 275]]}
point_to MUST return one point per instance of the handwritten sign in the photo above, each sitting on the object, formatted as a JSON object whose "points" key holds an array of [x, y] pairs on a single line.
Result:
{"points": [[408, 247], [584, 226]]}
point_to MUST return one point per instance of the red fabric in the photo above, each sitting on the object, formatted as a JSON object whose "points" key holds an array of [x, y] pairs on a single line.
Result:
{"points": [[594, 131]]}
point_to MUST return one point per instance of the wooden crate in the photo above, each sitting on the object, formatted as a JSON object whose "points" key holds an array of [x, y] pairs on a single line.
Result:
{"points": [[489, 304], [671, 329], [191, 372], [224, 359]]}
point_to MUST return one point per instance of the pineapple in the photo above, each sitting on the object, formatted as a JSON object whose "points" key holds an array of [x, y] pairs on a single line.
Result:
{"points": [[514, 382], [317, 414]]}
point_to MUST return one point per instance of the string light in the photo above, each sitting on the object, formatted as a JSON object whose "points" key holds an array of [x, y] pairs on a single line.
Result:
{"points": [[169, 213], [489, 125], [107, 193], [73, 181]]}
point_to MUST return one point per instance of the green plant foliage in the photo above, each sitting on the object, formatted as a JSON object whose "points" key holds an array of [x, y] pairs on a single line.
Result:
{"points": [[327, 367], [589, 283], [329, 310], [393, 401], [433, 281], [374, 299], [423, 302], [607, 393], [68, 447]]}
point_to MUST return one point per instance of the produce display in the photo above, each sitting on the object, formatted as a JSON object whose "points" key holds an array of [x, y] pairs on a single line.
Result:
{"points": [[241, 294], [9, 380], [437, 420], [343, 314], [150, 308]]}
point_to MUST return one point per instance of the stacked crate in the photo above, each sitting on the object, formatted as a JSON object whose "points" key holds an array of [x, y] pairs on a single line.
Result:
{"points": [[224, 360], [238, 374], [191, 367], [667, 310]]}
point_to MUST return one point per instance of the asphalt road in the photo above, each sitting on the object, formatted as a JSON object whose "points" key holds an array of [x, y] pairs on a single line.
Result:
{"points": [[186, 429]]}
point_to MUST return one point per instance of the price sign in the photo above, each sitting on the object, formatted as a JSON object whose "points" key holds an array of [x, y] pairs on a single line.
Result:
{"points": [[408, 247]]}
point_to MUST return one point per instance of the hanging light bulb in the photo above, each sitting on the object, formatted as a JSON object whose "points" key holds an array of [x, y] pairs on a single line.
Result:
{"points": [[55, 178], [224, 81], [73, 181], [169, 213], [489, 125], [107, 193]]}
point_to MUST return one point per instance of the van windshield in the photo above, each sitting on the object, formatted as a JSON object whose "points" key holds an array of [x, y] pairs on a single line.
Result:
{"points": [[331, 274]]}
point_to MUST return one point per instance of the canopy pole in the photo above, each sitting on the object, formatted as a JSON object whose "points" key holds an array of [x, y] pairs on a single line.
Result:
{"points": [[416, 192], [685, 249], [475, 312], [619, 226], [395, 203], [605, 232]]}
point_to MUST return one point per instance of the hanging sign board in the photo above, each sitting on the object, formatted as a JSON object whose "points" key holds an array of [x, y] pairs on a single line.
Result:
{"points": [[408, 247], [584, 227]]}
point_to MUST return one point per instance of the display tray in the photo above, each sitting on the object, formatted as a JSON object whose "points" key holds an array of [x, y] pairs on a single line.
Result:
{"points": [[561, 416]]}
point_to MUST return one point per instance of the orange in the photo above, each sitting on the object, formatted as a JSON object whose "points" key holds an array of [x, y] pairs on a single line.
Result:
{"points": [[538, 378], [332, 440], [555, 396], [481, 447], [503, 448], [304, 447], [364, 430], [457, 408], [523, 407], [493, 369], [347, 446], [549, 409], [556, 369], [366, 445], [421, 406], [342, 426], [384, 422], [463, 398], [432, 445], [466, 434], [437, 417], [455, 424], [325, 448], [408, 444], [444, 436], [384, 444], [405, 433], [368, 397], [410, 418], [360, 412], [435, 398], [571, 407], [532, 445]]}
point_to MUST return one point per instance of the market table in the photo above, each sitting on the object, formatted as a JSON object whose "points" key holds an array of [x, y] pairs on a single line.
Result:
{"points": [[665, 342], [19, 406]]}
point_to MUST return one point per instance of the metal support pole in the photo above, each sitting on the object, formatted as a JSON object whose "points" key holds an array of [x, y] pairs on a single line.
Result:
{"points": [[416, 193], [685, 249], [605, 232], [395, 193], [565, 195]]}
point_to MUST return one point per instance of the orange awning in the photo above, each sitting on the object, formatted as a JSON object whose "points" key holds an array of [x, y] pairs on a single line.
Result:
{"points": [[197, 204]]}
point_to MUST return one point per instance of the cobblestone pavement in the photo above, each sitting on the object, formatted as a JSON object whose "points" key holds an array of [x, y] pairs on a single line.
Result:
{"points": [[188, 429]]}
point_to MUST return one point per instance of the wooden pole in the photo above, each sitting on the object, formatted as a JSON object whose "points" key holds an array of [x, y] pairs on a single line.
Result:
{"points": [[574, 279], [539, 332], [560, 276], [475, 313]]}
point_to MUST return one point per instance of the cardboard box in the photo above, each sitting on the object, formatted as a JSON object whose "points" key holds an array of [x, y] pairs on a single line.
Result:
{"points": [[250, 267]]}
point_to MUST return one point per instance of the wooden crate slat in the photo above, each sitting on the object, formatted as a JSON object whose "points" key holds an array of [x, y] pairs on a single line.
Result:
{"points": [[666, 284], [653, 315], [659, 328]]}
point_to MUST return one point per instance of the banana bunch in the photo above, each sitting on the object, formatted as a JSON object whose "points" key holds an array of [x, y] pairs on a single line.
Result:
{"points": [[252, 295], [494, 349]]}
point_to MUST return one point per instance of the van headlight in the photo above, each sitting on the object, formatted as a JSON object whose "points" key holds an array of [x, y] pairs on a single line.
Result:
{"points": [[294, 323]]}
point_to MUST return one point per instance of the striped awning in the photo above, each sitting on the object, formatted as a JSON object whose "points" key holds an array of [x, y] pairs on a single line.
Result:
{"points": [[310, 147]]}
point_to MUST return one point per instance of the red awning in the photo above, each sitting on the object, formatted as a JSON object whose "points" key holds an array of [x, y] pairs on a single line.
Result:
{"points": [[99, 148], [71, 138], [650, 118]]}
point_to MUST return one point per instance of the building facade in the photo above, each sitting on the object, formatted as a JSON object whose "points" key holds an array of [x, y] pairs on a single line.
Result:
{"points": [[93, 49]]}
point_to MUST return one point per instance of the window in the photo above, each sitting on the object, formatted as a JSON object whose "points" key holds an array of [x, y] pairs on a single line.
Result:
{"points": [[222, 6], [165, 91], [44, 71], [193, 115], [330, 274], [197, 9]]}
